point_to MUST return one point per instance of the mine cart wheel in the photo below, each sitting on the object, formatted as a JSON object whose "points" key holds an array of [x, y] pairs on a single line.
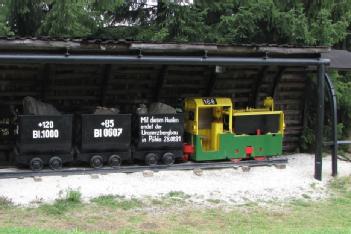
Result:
{"points": [[151, 159], [168, 158], [55, 163], [36, 164], [114, 161], [96, 161]]}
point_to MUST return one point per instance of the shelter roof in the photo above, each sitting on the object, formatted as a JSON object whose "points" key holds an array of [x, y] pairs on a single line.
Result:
{"points": [[339, 59], [109, 46]]}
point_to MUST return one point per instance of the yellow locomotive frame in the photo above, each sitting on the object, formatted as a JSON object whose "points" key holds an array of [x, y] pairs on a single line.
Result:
{"points": [[210, 128]]}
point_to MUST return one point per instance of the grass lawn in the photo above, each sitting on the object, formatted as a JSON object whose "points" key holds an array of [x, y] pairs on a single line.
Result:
{"points": [[171, 214]]}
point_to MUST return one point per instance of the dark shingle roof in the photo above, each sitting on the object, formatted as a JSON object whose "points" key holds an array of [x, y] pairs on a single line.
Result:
{"points": [[339, 59]]}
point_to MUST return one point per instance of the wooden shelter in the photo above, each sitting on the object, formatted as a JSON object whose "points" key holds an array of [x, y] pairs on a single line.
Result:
{"points": [[74, 73]]}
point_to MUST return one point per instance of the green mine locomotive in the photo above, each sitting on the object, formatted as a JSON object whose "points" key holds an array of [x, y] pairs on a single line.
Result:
{"points": [[217, 131]]}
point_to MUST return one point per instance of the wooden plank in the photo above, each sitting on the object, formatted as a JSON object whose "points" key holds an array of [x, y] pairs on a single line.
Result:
{"points": [[276, 81], [140, 80], [77, 97], [185, 69], [45, 75], [184, 85], [290, 131], [212, 80], [161, 82], [289, 86], [19, 94], [74, 76], [225, 82], [256, 86], [233, 90], [75, 88], [225, 49], [106, 77]]}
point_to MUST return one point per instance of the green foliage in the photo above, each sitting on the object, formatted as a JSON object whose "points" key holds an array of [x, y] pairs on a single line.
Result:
{"points": [[342, 84], [307, 139], [329, 215], [33, 230], [283, 22], [4, 13], [68, 19], [177, 194], [341, 185], [117, 202], [26, 16], [214, 201], [269, 21], [292, 26], [327, 31], [183, 23], [73, 196], [5, 203], [61, 206], [105, 5], [107, 200]]}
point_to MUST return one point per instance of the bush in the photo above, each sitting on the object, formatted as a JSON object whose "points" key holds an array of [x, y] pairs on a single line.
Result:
{"points": [[60, 206], [342, 84]]}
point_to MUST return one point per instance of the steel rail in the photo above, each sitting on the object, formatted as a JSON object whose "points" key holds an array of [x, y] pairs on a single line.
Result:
{"points": [[152, 59], [4, 173]]}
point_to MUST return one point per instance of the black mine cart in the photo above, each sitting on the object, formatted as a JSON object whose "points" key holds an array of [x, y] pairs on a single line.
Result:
{"points": [[159, 138], [7, 127], [104, 139], [44, 140]]}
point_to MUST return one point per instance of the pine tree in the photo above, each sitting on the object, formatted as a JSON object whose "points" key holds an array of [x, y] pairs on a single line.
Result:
{"points": [[26, 16]]}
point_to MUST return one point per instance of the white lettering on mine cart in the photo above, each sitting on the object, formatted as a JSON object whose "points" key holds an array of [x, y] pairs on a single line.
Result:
{"points": [[108, 131], [47, 132], [160, 129]]}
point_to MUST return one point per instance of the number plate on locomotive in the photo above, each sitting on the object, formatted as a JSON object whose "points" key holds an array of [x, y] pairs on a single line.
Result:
{"points": [[209, 101]]}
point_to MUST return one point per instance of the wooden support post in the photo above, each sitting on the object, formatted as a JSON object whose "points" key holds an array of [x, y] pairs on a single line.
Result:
{"points": [[276, 80], [320, 123], [256, 86], [211, 82]]}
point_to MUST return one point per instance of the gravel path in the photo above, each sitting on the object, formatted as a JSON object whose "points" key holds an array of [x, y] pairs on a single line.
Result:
{"points": [[230, 185]]}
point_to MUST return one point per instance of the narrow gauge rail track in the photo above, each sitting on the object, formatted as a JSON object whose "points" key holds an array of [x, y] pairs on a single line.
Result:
{"points": [[11, 172]]}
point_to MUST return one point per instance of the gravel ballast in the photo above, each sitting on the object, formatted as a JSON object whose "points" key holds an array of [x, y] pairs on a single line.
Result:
{"points": [[260, 184]]}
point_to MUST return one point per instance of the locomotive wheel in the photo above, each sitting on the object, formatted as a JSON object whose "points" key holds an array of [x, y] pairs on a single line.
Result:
{"points": [[114, 160], [36, 164], [151, 159], [96, 161], [55, 163], [168, 158]]}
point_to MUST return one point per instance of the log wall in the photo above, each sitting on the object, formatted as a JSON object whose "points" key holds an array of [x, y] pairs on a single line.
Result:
{"points": [[71, 87]]}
